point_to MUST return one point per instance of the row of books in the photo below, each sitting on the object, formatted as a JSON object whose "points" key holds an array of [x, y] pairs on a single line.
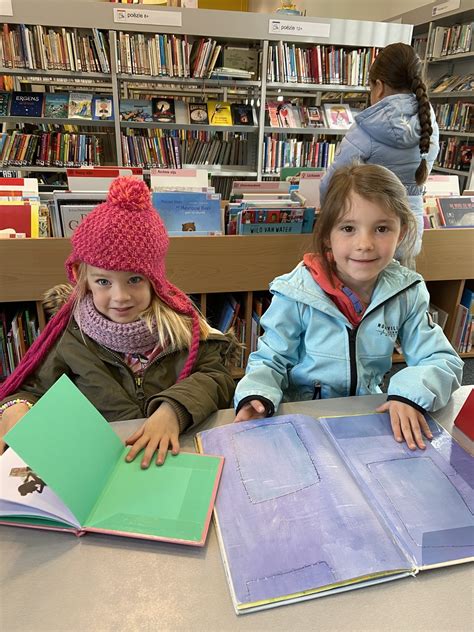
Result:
{"points": [[291, 152], [74, 105], [450, 40], [458, 116], [169, 110], [50, 149], [17, 333], [452, 83], [319, 64], [332, 115], [159, 55], [454, 154], [463, 331], [168, 150], [41, 48]]}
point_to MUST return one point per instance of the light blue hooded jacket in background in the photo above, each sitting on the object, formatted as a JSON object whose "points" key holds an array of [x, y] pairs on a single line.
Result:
{"points": [[309, 346], [388, 134]]}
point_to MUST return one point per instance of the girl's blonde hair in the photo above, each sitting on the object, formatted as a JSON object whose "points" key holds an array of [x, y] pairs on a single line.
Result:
{"points": [[374, 183], [169, 326]]}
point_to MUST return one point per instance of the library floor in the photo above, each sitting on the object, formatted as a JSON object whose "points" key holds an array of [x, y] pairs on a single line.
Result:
{"points": [[467, 378]]}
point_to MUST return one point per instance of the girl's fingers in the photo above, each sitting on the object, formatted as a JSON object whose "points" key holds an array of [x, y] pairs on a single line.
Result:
{"points": [[162, 450], [134, 437], [174, 445], [395, 423], [149, 452], [416, 431], [136, 448], [425, 427]]}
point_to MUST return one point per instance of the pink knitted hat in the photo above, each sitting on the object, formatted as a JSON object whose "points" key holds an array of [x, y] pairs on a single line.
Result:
{"points": [[124, 233]]}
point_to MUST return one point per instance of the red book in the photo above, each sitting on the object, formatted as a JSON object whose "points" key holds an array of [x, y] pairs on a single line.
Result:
{"points": [[465, 417]]}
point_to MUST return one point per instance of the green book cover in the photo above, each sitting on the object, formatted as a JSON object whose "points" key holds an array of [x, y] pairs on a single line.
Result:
{"points": [[64, 445]]}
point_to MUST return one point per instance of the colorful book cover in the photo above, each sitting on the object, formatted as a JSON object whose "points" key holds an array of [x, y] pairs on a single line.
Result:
{"points": [[136, 110], [338, 115], [457, 212], [22, 217], [56, 105], [321, 502], [4, 103], [189, 213], [242, 114], [219, 113], [315, 116], [80, 105], [27, 104], [163, 110], [46, 481], [102, 108], [198, 113]]}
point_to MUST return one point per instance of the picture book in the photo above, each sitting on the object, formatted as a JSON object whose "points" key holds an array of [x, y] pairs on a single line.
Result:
{"points": [[4, 103], [163, 110], [242, 114], [456, 212], [338, 115], [102, 108], [466, 156], [316, 116], [69, 209], [465, 417], [26, 104], [335, 504], [198, 113], [66, 470], [136, 110], [80, 105], [190, 213], [219, 113], [56, 105], [23, 217]]}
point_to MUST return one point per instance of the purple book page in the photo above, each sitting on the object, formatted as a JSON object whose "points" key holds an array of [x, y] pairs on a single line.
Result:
{"points": [[425, 496], [291, 519]]}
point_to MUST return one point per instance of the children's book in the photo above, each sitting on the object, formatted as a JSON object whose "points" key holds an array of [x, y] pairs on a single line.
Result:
{"points": [[310, 507], [316, 116], [27, 104], [80, 105], [242, 114], [219, 113], [465, 417], [198, 113], [56, 105], [66, 470], [190, 213], [4, 103], [20, 215], [163, 110], [338, 115], [136, 110], [456, 212], [102, 108]]}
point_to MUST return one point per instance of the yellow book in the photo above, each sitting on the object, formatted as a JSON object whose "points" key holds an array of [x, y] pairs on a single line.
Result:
{"points": [[219, 113], [17, 218]]}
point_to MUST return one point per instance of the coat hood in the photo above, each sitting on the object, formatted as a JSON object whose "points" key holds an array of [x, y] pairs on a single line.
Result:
{"points": [[393, 121]]}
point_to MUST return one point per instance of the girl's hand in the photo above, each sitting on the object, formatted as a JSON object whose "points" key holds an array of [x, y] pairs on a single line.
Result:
{"points": [[252, 410], [157, 433], [8, 419], [407, 423]]}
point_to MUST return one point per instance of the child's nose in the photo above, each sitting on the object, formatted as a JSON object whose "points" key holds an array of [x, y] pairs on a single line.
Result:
{"points": [[366, 241], [121, 293]]}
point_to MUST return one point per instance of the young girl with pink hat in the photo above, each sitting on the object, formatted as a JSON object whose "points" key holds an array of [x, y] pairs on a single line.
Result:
{"points": [[131, 341]]}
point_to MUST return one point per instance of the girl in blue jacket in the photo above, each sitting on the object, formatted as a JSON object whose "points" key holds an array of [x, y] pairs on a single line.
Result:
{"points": [[333, 321], [398, 130]]}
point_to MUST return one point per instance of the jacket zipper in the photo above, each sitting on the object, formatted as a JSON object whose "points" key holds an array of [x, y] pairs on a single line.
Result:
{"points": [[352, 333]]}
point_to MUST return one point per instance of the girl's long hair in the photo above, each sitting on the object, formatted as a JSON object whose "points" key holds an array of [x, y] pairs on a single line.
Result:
{"points": [[400, 68]]}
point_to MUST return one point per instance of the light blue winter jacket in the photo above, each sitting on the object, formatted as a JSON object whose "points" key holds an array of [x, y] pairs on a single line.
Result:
{"points": [[310, 346], [388, 134]]}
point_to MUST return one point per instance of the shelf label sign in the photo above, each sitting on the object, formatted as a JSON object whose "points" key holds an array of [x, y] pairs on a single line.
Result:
{"points": [[145, 16], [444, 7], [299, 28], [6, 7]]}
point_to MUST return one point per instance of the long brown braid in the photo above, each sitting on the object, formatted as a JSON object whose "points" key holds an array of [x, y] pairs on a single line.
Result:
{"points": [[398, 66]]}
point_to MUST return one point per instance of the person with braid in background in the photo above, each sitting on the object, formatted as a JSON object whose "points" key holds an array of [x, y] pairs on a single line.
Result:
{"points": [[398, 130], [132, 342]]}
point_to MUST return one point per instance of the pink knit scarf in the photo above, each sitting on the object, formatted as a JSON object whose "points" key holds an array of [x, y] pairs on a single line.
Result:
{"points": [[122, 337]]}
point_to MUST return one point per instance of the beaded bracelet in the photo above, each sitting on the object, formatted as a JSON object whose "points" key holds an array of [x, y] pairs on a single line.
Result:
{"points": [[12, 402]]}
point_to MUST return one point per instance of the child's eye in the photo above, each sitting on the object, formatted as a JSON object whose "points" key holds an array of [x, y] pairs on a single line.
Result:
{"points": [[347, 229], [135, 279], [103, 282], [383, 229]]}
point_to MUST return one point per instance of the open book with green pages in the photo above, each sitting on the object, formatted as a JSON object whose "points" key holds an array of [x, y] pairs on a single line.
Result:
{"points": [[311, 507], [65, 470]]}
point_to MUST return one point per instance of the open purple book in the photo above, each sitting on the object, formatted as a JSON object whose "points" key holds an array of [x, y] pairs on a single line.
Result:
{"points": [[311, 507]]}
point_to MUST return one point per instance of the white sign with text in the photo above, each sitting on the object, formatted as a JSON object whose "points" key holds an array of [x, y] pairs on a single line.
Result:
{"points": [[144, 16], [303, 29]]}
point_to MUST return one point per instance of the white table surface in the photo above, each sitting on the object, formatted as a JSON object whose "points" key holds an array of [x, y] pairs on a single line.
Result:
{"points": [[57, 582]]}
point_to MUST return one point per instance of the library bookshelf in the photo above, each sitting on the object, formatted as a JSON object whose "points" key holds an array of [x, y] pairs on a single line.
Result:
{"points": [[205, 266]]}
